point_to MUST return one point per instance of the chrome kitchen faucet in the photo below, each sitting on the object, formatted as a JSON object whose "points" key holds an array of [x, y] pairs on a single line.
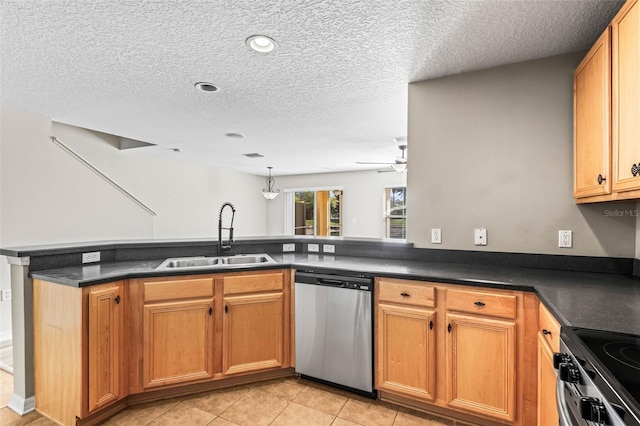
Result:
{"points": [[221, 246]]}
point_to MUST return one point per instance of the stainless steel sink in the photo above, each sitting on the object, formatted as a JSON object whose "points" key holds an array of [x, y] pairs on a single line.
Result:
{"points": [[201, 262]]}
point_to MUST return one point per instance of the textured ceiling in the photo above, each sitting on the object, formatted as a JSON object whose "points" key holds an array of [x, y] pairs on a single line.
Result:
{"points": [[333, 92]]}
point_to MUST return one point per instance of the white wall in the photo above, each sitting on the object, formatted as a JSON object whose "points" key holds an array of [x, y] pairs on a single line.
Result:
{"points": [[496, 151], [46, 196], [363, 201]]}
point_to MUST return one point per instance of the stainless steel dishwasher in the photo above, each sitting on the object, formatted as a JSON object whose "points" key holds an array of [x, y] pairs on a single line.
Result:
{"points": [[334, 322]]}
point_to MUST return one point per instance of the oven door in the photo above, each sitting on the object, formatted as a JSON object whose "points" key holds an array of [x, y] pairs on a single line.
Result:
{"points": [[568, 409]]}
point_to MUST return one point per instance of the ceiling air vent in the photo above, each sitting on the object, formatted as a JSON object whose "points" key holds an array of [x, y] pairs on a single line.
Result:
{"points": [[253, 155]]}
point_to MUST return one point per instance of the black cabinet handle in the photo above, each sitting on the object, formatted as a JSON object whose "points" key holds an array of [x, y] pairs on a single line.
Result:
{"points": [[430, 325], [449, 328], [210, 310], [546, 332], [226, 309], [117, 299], [481, 304], [601, 179], [635, 169], [403, 294]]}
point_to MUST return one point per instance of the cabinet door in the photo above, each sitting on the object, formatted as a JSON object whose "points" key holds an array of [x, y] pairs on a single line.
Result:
{"points": [[481, 366], [105, 346], [592, 106], [547, 405], [406, 351], [178, 342], [253, 330], [626, 97]]}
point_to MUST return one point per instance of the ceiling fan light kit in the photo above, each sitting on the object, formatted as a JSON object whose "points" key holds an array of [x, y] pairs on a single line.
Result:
{"points": [[400, 164]]}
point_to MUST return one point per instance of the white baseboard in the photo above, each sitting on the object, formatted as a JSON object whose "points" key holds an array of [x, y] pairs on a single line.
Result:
{"points": [[22, 406]]}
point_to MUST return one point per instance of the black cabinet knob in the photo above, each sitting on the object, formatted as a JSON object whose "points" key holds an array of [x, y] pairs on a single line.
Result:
{"points": [[117, 299], [546, 332], [635, 169], [569, 373], [405, 294], [480, 304], [593, 410], [601, 179]]}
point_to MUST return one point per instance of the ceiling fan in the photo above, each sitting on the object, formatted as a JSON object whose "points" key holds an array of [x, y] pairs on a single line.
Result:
{"points": [[400, 164]]}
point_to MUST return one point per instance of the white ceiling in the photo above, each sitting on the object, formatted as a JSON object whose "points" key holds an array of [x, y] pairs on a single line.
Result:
{"points": [[333, 92]]}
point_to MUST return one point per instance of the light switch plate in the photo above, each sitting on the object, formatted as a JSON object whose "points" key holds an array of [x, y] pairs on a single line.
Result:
{"points": [[288, 247], [480, 236]]}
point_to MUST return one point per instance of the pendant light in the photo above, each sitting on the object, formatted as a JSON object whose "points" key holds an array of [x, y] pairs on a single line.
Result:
{"points": [[270, 193]]}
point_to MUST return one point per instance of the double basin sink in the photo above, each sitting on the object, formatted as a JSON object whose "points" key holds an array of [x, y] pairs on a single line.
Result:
{"points": [[218, 262]]}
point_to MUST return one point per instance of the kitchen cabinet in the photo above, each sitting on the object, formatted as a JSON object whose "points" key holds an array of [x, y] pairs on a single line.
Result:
{"points": [[178, 331], [607, 113], [592, 118], [253, 323], [105, 344], [548, 343], [481, 352], [78, 349], [457, 349], [626, 97], [406, 355]]}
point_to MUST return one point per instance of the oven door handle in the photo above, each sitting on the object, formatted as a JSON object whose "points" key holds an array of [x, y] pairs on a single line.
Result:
{"points": [[562, 404]]}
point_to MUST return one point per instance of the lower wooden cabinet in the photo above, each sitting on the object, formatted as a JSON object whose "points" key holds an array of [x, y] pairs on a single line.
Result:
{"points": [[548, 343], [481, 361], [174, 353], [79, 343], [406, 351], [450, 348], [105, 345]]}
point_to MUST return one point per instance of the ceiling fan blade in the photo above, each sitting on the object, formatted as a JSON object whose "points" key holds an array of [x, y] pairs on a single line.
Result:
{"points": [[369, 162]]}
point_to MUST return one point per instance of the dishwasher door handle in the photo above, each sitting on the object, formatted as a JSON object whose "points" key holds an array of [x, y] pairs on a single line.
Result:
{"points": [[330, 282]]}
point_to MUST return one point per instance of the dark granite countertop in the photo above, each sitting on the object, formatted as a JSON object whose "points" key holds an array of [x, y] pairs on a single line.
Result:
{"points": [[592, 300]]}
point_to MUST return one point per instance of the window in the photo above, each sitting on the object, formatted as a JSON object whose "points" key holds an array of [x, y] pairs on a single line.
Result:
{"points": [[395, 212], [318, 213]]}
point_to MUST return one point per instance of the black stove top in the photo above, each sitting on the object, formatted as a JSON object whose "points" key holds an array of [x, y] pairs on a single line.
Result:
{"points": [[619, 354]]}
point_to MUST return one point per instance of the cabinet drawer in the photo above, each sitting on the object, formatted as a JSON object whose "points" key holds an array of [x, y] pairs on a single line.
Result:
{"points": [[549, 327], [178, 289], [253, 283], [406, 292], [475, 302]]}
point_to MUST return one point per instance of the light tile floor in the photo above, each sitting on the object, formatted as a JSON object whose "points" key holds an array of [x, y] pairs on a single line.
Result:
{"points": [[282, 402]]}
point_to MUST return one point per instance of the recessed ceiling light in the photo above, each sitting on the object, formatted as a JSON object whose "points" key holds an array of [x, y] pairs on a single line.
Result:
{"points": [[261, 43], [234, 135], [206, 87]]}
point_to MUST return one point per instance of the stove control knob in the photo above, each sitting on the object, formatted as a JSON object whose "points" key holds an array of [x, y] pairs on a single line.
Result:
{"points": [[593, 410], [569, 372], [559, 358]]}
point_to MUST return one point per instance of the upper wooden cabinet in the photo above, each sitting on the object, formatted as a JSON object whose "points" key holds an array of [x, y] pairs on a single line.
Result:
{"points": [[626, 97], [607, 113], [592, 117]]}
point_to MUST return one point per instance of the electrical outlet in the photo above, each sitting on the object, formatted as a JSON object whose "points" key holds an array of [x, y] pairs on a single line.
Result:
{"points": [[328, 248], [565, 239], [315, 248], [480, 236], [6, 295], [436, 236], [288, 247], [92, 256]]}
